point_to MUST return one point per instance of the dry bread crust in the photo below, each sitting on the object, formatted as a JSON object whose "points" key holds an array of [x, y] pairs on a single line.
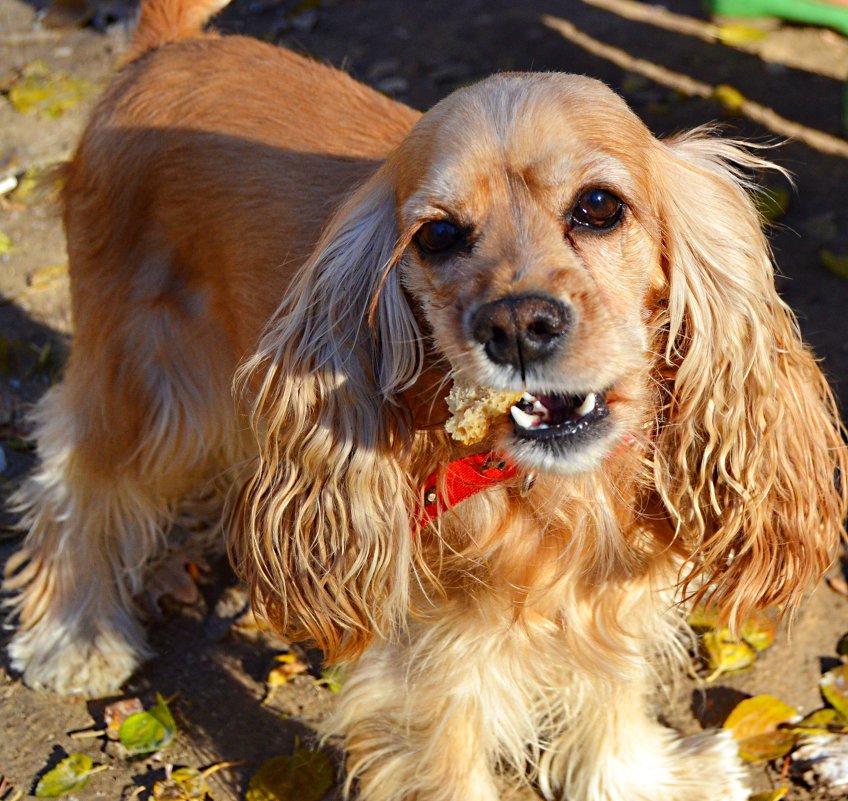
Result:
{"points": [[472, 410]]}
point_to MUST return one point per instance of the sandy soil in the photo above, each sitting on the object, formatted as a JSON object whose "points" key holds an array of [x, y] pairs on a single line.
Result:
{"points": [[417, 52]]}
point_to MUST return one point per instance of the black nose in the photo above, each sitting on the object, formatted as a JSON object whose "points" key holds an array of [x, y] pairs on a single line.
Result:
{"points": [[519, 331]]}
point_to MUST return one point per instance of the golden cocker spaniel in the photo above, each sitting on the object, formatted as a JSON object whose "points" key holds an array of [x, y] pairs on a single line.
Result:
{"points": [[235, 212]]}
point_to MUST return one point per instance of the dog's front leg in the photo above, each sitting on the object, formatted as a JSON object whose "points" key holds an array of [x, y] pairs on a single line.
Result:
{"points": [[417, 726], [614, 750]]}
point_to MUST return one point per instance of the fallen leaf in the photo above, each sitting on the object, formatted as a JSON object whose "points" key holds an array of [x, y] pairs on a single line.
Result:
{"points": [[735, 34], [71, 774], [725, 654], [702, 618], [67, 14], [45, 277], [770, 795], [38, 183], [150, 731], [768, 746], [731, 99], [836, 263], [834, 688], [758, 715], [332, 678], [289, 666], [304, 776], [40, 91], [183, 784], [772, 202], [758, 630], [822, 721], [754, 724], [116, 713], [5, 244]]}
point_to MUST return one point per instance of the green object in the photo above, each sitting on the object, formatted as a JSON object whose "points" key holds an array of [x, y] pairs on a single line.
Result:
{"points": [[70, 775], [150, 731], [304, 776], [807, 12]]}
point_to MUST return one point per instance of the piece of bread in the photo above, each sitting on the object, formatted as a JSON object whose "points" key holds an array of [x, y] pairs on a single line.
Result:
{"points": [[473, 409]]}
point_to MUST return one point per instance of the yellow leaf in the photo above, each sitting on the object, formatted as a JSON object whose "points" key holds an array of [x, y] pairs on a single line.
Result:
{"points": [[754, 724], [735, 34], [768, 746], [834, 687], [758, 715], [289, 665], [726, 655], [771, 795], [5, 244], [183, 784], [45, 277], [303, 776], [40, 91], [758, 630], [732, 99], [702, 618]]}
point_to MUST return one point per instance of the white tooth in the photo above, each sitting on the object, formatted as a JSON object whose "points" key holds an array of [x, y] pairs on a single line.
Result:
{"points": [[528, 397], [523, 419], [587, 405], [538, 408]]}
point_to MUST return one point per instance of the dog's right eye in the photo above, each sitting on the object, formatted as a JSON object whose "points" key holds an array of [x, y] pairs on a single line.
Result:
{"points": [[438, 236]]}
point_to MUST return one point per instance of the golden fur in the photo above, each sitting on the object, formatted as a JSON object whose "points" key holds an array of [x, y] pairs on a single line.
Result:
{"points": [[232, 203]]}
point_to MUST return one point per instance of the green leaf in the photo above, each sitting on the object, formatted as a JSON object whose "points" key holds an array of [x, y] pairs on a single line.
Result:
{"points": [[304, 776], [5, 244], [146, 732], [834, 688], [836, 263], [822, 721], [71, 774], [332, 678], [772, 202]]}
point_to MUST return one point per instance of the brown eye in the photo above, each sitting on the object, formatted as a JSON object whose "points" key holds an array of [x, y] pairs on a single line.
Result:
{"points": [[439, 236], [596, 208]]}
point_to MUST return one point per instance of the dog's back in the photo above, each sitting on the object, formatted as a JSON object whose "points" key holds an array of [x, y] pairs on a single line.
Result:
{"points": [[200, 186]]}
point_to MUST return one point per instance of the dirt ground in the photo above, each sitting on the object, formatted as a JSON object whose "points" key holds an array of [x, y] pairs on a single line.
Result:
{"points": [[417, 52]]}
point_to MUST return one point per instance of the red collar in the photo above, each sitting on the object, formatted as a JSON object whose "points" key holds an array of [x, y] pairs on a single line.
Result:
{"points": [[450, 485]]}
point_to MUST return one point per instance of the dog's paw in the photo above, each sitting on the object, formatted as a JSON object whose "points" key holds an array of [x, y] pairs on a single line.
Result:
{"points": [[710, 768], [93, 665]]}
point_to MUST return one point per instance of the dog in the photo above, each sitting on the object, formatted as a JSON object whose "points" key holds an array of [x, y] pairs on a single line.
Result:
{"points": [[238, 215]]}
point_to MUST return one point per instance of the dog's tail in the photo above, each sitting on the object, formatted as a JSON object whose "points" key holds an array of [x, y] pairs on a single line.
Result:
{"points": [[163, 21]]}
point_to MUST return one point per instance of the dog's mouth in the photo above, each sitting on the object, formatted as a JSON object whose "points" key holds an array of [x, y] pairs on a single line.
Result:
{"points": [[560, 419]]}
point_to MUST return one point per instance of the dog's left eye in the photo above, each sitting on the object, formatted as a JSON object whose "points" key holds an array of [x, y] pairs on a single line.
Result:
{"points": [[597, 208], [438, 236]]}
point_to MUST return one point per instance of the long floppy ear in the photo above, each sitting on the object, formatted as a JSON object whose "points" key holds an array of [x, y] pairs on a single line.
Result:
{"points": [[321, 530], [751, 454]]}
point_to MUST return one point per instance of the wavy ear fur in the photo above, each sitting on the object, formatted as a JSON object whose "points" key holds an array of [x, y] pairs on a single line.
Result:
{"points": [[321, 529], [751, 456]]}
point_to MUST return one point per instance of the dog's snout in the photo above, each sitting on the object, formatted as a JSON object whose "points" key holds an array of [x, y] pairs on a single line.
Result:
{"points": [[519, 331]]}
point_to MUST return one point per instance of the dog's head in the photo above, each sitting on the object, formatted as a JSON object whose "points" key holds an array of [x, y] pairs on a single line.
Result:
{"points": [[531, 234]]}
